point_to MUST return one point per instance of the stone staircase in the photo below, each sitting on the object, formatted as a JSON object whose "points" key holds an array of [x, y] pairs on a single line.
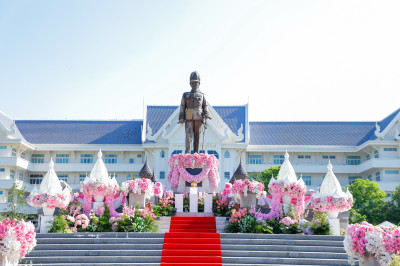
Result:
{"points": [[146, 249]]}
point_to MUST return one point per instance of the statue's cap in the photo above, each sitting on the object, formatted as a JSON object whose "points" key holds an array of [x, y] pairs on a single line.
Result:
{"points": [[195, 76]]}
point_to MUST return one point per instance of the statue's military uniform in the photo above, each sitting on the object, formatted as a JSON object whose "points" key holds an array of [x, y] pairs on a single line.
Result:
{"points": [[193, 110]]}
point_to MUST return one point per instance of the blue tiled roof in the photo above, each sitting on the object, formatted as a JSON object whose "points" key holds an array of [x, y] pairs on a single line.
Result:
{"points": [[80, 132], [310, 133], [386, 121], [233, 116]]}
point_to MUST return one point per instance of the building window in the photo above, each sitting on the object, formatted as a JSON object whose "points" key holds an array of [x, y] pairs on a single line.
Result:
{"points": [[82, 177], [111, 158], [227, 175], [378, 176], [35, 179], [13, 152], [389, 195], [21, 176], [2, 169], [214, 153], [162, 175], [389, 149], [3, 147], [370, 177], [176, 152], [162, 154], [227, 155], [63, 178], [37, 158], [139, 156], [1, 192], [278, 159], [352, 179], [86, 158], [12, 174], [329, 157], [376, 154], [368, 157], [353, 160], [301, 156], [22, 155], [62, 158], [10, 197], [255, 159], [114, 176], [307, 180], [391, 172], [131, 160]]}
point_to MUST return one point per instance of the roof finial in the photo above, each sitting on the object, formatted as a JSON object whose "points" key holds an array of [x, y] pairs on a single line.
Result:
{"points": [[99, 154], [51, 164]]}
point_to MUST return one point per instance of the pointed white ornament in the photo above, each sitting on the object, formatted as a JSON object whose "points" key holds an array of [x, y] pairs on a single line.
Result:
{"points": [[50, 184], [287, 173]]}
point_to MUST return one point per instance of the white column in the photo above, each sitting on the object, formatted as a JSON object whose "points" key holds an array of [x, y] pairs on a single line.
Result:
{"points": [[179, 202], [208, 201], [194, 202]]}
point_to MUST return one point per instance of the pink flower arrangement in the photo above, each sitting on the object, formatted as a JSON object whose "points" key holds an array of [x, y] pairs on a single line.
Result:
{"points": [[17, 239], [60, 200], [287, 221], [179, 162], [292, 190], [364, 239], [238, 215], [242, 187], [139, 186], [99, 189], [331, 204]]}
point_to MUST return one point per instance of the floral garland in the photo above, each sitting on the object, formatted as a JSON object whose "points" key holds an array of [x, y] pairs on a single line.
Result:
{"points": [[179, 162], [138, 186], [331, 204], [242, 187], [60, 200], [17, 239], [364, 239]]}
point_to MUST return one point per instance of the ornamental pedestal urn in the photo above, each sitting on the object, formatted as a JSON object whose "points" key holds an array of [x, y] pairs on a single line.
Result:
{"points": [[135, 198]]}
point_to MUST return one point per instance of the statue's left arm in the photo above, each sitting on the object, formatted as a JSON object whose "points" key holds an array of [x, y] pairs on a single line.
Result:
{"points": [[205, 108]]}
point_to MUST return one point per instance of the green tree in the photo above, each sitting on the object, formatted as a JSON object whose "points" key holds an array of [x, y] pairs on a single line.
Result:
{"points": [[368, 202], [16, 202], [392, 207], [266, 175]]}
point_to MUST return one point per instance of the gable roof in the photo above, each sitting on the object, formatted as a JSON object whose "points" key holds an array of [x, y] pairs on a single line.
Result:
{"points": [[386, 121], [233, 116], [81, 132], [7, 123], [310, 133]]}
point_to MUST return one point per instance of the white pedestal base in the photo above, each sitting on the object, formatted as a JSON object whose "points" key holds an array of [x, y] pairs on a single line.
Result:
{"points": [[194, 202], [45, 223], [179, 202], [208, 201], [134, 198], [97, 205], [334, 224], [249, 200], [370, 261]]}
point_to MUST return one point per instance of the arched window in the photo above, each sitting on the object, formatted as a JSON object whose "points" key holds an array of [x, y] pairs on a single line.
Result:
{"points": [[227, 155], [376, 154], [162, 154]]}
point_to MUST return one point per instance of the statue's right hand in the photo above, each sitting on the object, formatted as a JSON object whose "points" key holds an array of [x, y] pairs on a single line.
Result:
{"points": [[181, 121]]}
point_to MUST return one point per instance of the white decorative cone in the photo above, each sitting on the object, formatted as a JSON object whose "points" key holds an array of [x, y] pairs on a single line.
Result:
{"points": [[330, 185], [99, 172], [287, 173], [50, 184]]}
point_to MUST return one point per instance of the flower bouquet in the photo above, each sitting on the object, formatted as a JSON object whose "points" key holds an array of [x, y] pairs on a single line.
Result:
{"points": [[139, 186], [332, 204], [16, 240], [364, 240], [207, 162], [284, 189], [60, 200], [242, 187]]}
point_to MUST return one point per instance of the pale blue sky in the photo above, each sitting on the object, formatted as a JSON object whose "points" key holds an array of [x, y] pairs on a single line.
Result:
{"points": [[295, 60]]}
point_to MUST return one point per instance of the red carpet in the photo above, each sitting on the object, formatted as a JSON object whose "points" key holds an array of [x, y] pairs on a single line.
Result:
{"points": [[192, 241]]}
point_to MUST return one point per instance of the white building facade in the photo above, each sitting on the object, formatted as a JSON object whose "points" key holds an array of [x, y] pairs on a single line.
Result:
{"points": [[368, 150]]}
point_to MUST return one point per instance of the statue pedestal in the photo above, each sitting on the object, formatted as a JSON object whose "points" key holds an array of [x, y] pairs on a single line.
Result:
{"points": [[179, 202], [369, 261], [334, 225], [208, 201], [134, 198], [249, 200], [194, 202], [45, 223]]}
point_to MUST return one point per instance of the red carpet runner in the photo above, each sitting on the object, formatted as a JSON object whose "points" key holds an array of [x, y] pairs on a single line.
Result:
{"points": [[192, 241]]}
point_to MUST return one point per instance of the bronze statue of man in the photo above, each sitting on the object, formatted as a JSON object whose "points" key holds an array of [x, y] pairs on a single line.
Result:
{"points": [[193, 113]]}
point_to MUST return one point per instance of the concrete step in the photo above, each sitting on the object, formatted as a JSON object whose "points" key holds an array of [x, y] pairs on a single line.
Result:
{"points": [[101, 235], [283, 248], [283, 254], [95, 259], [320, 243], [51, 247], [97, 252], [290, 261], [283, 236], [100, 241]]}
